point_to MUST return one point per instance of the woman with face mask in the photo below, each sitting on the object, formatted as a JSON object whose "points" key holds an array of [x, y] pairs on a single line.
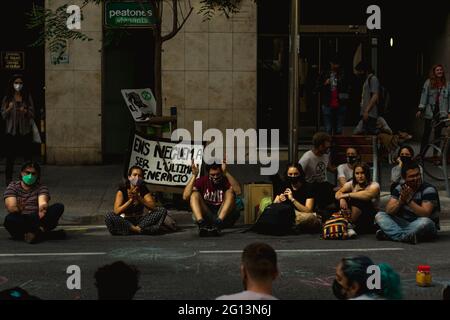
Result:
{"points": [[17, 110], [135, 211], [405, 155], [298, 193], [354, 276]]}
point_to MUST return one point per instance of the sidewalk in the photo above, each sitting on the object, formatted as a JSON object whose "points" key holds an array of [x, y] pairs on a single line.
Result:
{"points": [[88, 191]]}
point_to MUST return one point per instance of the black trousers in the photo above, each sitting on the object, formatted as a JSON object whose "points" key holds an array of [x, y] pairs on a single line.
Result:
{"points": [[365, 223], [16, 146], [19, 224]]}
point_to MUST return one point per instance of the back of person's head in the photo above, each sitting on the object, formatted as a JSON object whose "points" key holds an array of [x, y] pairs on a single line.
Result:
{"points": [[363, 66], [260, 262], [320, 138], [355, 270], [117, 281], [391, 288], [412, 165], [16, 293]]}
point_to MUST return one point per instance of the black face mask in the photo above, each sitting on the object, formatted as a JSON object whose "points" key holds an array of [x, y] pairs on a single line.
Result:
{"points": [[338, 290], [293, 180], [217, 180], [352, 159], [405, 159]]}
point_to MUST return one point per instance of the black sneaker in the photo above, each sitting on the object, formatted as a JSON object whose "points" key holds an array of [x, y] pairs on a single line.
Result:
{"points": [[380, 235], [411, 239], [55, 235], [214, 231], [203, 231]]}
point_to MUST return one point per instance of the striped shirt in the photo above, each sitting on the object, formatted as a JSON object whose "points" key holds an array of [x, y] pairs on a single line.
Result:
{"points": [[28, 198]]}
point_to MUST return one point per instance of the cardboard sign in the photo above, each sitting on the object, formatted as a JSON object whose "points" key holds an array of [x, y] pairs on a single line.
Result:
{"points": [[165, 163], [141, 103]]}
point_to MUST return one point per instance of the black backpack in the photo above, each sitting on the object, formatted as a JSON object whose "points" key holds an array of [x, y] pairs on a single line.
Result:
{"points": [[277, 219]]}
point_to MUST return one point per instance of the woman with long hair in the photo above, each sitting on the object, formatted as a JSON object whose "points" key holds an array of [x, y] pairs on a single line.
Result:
{"points": [[135, 210], [17, 109], [434, 103]]}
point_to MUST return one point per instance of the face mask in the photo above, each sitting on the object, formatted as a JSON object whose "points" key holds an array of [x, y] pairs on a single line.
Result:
{"points": [[352, 159], [29, 179], [18, 86], [338, 290], [293, 180], [405, 159], [216, 180], [135, 181]]}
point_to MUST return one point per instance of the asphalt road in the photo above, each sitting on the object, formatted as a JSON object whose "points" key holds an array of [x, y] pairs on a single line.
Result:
{"points": [[184, 266]]}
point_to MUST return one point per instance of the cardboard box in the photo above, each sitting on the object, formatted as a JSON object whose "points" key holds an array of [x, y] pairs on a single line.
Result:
{"points": [[253, 194]]}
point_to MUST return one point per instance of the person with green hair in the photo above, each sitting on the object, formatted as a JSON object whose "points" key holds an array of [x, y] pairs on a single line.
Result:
{"points": [[352, 275]]}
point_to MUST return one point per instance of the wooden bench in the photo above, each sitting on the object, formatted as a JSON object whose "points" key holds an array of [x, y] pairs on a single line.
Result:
{"points": [[365, 145]]}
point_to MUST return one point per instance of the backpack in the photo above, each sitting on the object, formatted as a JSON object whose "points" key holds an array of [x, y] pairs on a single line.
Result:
{"points": [[384, 99], [277, 219], [336, 227]]}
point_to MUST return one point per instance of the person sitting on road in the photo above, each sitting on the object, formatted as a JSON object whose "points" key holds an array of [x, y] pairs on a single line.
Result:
{"points": [[412, 212], [132, 200], [352, 278], [258, 271], [315, 164], [212, 198], [405, 154], [30, 217], [297, 191], [117, 281], [360, 196], [345, 170]]}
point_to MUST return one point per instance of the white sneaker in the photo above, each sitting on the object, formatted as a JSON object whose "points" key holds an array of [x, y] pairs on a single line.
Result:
{"points": [[351, 232]]}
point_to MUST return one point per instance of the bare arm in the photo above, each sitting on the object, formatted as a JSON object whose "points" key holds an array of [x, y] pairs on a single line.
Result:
{"points": [[234, 183], [119, 206], [342, 181], [12, 205], [346, 188], [43, 205], [187, 192], [148, 201], [424, 210], [372, 102], [308, 207], [393, 206], [367, 194], [6, 109]]}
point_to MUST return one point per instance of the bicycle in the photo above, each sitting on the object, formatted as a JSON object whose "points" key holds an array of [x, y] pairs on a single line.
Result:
{"points": [[435, 166]]}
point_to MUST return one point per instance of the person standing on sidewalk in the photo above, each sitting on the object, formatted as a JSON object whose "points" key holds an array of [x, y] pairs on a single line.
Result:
{"points": [[369, 98], [213, 199], [412, 212], [129, 216], [434, 103], [30, 217], [333, 87], [17, 110]]}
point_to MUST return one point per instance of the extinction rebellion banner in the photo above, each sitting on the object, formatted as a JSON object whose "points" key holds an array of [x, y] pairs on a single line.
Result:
{"points": [[165, 163]]}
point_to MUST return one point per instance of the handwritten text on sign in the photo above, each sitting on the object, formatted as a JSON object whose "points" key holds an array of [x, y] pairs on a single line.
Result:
{"points": [[165, 163]]}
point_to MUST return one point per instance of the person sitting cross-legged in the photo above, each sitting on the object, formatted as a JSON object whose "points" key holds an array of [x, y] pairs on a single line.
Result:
{"points": [[130, 215], [30, 217], [412, 212], [360, 196], [212, 198]]}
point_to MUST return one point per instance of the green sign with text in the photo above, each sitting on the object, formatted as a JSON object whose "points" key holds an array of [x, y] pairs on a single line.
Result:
{"points": [[129, 14]]}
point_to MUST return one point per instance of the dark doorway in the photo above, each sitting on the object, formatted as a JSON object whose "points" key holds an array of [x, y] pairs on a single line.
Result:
{"points": [[16, 37], [127, 64]]}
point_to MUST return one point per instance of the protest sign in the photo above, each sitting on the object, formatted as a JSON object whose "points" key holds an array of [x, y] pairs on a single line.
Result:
{"points": [[140, 102], [165, 163]]}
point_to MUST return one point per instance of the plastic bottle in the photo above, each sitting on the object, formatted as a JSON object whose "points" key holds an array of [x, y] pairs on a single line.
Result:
{"points": [[423, 276]]}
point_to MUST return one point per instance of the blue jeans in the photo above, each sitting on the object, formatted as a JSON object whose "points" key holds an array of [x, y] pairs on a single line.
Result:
{"points": [[398, 229], [333, 119]]}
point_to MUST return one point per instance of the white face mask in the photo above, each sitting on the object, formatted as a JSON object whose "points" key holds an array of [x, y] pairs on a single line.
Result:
{"points": [[18, 86]]}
